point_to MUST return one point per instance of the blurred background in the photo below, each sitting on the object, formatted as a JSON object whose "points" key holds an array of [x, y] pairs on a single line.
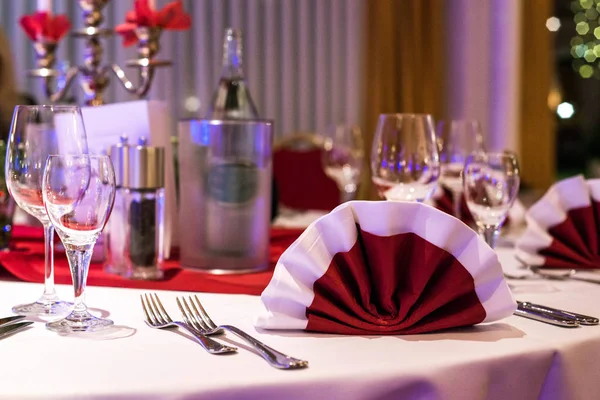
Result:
{"points": [[529, 70]]}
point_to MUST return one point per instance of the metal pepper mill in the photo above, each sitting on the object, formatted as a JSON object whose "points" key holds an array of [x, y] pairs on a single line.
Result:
{"points": [[145, 211]]}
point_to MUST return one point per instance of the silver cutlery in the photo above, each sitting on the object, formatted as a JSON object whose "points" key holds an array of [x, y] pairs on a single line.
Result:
{"points": [[551, 273], [580, 318], [8, 320], [197, 316], [156, 317], [546, 317], [7, 330]]}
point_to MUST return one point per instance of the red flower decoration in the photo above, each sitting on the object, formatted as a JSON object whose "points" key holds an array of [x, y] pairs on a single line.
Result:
{"points": [[42, 25], [171, 17]]}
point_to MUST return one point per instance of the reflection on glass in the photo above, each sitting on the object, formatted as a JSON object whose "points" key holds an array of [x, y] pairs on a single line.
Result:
{"points": [[491, 185], [405, 163], [343, 154], [457, 139]]}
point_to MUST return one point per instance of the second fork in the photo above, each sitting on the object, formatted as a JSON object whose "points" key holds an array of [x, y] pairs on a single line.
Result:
{"points": [[157, 317]]}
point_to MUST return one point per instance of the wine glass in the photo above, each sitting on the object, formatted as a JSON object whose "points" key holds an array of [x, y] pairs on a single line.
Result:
{"points": [[405, 161], [491, 184], [79, 192], [457, 139], [342, 159], [35, 133]]}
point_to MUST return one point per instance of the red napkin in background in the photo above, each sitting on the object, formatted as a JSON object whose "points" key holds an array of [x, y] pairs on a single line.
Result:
{"points": [[301, 182], [25, 261], [445, 202], [563, 227], [171, 17], [42, 25]]}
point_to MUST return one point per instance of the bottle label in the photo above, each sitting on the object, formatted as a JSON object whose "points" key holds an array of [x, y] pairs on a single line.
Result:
{"points": [[233, 183]]}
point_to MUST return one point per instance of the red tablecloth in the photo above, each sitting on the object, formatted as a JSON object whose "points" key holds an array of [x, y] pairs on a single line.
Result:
{"points": [[25, 261]]}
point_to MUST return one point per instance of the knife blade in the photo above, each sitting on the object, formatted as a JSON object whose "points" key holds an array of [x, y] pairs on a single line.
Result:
{"points": [[8, 330], [8, 320], [582, 319], [546, 318]]}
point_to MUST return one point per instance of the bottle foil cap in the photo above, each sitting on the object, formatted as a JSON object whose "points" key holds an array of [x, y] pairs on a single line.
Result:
{"points": [[146, 166], [119, 155]]}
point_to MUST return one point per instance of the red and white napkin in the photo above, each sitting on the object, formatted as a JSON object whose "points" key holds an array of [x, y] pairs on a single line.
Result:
{"points": [[563, 227], [385, 268]]}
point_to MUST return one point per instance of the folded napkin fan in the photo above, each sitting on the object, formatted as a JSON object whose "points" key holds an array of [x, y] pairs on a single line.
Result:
{"points": [[385, 268], [563, 227]]}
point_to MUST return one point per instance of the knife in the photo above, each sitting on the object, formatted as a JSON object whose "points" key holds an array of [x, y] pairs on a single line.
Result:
{"points": [[582, 319], [8, 330], [545, 317], [8, 320]]}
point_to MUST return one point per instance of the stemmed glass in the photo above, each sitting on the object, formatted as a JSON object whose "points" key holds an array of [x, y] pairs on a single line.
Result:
{"points": [[79, 192], [405, 163], [35, 133], [457, 139], [343, 154], [491, 184]]}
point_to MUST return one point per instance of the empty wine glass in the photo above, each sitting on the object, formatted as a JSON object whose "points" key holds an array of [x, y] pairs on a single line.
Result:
{"points": [[79, 192], [457, 139], [343, 154], [491, 184], [35, 133], [405, 161]]}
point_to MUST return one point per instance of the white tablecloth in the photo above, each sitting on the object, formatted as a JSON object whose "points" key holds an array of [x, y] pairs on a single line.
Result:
{"points": [[512, 359]]}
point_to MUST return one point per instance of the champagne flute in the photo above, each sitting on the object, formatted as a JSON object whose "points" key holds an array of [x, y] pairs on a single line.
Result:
{"points": [[405, 161], [491, 184], [35, 133], [79, 192], [457, 139], [342, 159]]}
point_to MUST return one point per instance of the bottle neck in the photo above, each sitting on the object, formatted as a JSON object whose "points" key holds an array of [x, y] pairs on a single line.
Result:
{"points": [[232, 55]]}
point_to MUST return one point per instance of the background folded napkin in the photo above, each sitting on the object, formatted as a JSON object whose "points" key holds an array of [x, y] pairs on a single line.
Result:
{"points": [[385, 268], [563, 226]]}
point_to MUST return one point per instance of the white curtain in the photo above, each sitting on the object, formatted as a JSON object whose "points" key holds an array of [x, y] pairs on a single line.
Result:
{"points": [[302, 58]]}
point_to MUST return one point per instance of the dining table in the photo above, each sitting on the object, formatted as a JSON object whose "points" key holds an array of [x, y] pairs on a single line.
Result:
{"points": [[514, 358]]}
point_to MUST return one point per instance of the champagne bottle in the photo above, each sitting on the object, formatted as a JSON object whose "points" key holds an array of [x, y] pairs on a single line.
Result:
{"points": [[232, 174], [231, 99]]}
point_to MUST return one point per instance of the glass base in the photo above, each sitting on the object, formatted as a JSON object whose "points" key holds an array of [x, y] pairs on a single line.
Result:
{"points": [[57, 307], [79, 322]]}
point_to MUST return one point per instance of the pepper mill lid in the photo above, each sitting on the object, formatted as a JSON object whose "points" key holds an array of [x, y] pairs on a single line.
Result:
{"points": [[119, 155], [146, 166]]}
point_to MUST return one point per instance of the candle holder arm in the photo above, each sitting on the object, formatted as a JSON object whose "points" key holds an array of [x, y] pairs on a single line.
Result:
{"points": [[57, 94], [146, 75]]}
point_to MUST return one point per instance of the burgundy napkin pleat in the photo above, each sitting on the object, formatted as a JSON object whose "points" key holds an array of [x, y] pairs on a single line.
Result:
{"points": [[575, 240], [400, 284]]}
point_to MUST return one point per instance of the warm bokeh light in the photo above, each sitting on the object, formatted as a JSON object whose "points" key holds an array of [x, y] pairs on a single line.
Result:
{"points": [[553, 24]]}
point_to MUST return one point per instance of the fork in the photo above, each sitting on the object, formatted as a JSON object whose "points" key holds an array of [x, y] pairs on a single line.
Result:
{"points": [[157, 317], [197, 317]]}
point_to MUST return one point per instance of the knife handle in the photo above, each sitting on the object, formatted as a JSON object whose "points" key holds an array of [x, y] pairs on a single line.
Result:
{"points": [[582, 319], [547, 318]]}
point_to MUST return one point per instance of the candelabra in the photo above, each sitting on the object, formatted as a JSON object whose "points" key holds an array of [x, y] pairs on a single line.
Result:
{"points": [[94, 75]]}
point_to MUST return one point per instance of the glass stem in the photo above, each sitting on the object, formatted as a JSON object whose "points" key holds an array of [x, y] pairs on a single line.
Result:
{"points": [[347, 195], [79, 261], [490, 234], [457, 203], [49, 290]]}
